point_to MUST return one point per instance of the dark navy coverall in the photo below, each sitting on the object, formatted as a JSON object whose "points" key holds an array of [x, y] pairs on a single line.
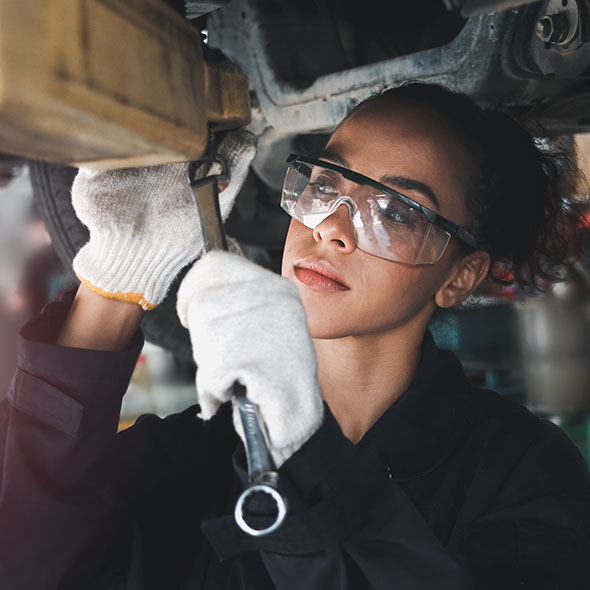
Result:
{"points": [[454, 487]]}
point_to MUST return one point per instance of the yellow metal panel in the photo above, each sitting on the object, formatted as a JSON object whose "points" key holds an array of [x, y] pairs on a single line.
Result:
{"points": [[109, 83]]}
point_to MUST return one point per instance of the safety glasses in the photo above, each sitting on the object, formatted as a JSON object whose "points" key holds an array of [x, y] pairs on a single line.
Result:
{"points": [[386, 223]]}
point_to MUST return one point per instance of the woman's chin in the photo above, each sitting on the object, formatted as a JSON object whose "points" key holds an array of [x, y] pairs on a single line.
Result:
{"points": [[324, 326]]}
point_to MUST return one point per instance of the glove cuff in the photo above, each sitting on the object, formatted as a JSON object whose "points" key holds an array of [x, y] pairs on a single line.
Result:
{"points": [[128, 271], [281, 455]]}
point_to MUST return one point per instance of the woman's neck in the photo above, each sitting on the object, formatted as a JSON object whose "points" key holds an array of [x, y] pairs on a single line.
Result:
{"points": [[361, 376]]}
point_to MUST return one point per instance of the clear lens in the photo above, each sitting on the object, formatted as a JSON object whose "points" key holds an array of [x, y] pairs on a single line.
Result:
{"points": [[385, 226]]}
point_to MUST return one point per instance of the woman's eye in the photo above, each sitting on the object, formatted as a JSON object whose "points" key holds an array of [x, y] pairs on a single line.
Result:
{"points": [[323, 188], [395, 212]]}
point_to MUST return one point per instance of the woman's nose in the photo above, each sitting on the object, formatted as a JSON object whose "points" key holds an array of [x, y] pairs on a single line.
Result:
{"points": [[337, 230]]}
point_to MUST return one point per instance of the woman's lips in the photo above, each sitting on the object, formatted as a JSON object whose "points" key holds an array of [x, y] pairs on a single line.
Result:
{"points": [[318, 275]]}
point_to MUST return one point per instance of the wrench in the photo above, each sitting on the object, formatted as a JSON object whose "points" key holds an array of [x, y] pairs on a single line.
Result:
{"points": [[262, 474]]}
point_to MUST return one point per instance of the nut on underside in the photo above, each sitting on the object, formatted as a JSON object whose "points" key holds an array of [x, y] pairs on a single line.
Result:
{"points": [[552, 28]]}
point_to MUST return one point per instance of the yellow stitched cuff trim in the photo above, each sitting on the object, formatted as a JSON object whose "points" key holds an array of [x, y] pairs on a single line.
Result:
{"points": [[118, 296]]}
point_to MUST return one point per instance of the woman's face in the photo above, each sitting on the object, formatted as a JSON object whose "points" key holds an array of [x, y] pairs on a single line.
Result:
{"points": [[370, 294]]}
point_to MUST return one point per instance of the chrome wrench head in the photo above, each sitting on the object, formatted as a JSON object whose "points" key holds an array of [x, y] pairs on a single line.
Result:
{"points": [[272, 491]]}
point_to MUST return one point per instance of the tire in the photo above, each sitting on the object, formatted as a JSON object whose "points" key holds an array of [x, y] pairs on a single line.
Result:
{"points": [[51, 185]]}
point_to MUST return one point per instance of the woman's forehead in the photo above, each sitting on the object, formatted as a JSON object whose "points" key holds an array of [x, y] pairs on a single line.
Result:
{"points": [[396, 139], [395, 123]]}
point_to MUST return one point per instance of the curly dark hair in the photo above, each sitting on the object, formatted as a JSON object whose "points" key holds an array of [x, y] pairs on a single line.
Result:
{"points": [[522, 189]]}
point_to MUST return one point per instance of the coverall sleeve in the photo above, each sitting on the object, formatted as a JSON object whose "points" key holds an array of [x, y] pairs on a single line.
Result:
{"points": [[58, 426], [352, 527]]}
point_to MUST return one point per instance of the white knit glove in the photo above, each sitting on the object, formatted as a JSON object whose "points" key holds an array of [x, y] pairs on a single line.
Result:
{"points": [[247, 324], [144, 225]]}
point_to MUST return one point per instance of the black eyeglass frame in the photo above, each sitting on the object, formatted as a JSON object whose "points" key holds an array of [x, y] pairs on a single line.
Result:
{"points": [[432, 216]]}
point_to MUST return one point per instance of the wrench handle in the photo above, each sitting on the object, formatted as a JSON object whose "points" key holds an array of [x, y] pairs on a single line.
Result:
{"points": [[256, 440], [262, 476]]}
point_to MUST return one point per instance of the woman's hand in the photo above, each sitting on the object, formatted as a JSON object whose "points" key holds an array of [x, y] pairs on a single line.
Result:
{"points": [[247, 324], [144, 225]]}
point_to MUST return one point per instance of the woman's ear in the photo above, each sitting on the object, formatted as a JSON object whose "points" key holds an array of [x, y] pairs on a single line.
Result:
{"points": [[467, 275]]}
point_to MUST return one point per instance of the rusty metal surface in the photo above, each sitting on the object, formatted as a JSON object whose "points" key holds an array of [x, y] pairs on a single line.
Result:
{"points": [[493, 58]]}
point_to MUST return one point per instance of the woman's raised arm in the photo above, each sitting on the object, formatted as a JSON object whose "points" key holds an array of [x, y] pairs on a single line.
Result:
{"points": [[97, 323]]}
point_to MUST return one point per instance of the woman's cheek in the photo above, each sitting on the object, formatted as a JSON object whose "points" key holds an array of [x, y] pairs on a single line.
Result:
{"points": [[394, 295], [294, 241]]}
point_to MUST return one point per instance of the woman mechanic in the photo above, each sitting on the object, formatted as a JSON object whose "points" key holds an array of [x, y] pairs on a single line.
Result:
{"points": [[398, 472]]}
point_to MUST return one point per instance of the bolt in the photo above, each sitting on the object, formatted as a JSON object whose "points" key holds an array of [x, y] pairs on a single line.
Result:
{"points": [[552, 28], [544, 28]]}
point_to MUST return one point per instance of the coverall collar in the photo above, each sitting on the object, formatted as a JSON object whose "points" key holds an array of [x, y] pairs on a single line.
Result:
{"points": [[423, 426]]}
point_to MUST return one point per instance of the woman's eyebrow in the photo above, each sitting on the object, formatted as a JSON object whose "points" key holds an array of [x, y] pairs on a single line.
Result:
{"points": [[411, 184], [335, 158], [402, 182]]}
